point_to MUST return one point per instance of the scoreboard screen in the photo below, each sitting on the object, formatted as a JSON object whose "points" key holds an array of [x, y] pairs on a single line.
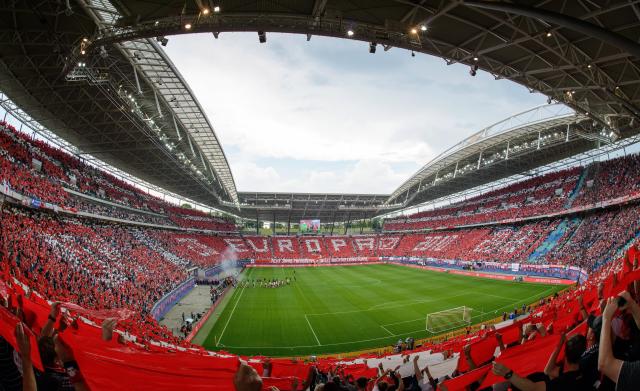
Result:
{"points": [[309, 226]]}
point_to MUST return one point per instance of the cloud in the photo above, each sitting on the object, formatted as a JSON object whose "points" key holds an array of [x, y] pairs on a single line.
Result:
{"points": [[363, 176], [331, 101]]}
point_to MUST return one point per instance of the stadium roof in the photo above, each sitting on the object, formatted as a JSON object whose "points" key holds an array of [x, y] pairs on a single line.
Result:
{"points": [[292, 207], [94, 73], [519, 143]]}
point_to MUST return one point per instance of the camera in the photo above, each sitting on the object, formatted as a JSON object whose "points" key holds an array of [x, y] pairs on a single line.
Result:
{"points": [[621, 301]]}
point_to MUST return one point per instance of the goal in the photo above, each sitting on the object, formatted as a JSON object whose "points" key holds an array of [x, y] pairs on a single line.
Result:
{"points": [[441, 321]]}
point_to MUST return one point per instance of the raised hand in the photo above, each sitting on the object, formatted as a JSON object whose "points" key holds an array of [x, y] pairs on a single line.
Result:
{"points": [[610, 309], [107, 328], [24, 343], [55, 309], [499, 369]]}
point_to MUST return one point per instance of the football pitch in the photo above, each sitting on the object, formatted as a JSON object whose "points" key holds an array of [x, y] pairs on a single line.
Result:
{"points": [[348, 308]]}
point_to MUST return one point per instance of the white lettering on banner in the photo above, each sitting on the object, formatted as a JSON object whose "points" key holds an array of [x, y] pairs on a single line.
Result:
{"points": [[426, 243], [198, 247], [265, 246], [363, 243], [445, 242], [388, 243], [285, 244], [316, 245], [237, 245], [437, 243], [338, 243]]}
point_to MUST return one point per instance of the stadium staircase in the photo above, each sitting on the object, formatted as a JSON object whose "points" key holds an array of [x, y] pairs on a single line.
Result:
{"points": [[551, 241], [576, 190]]}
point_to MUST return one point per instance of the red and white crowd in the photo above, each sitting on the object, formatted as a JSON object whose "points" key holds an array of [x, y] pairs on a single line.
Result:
{"points": [[551, 193], [36, 169]]}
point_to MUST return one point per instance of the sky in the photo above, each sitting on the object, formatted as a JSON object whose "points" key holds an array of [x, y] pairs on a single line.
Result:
{"points": [[327, 116]]}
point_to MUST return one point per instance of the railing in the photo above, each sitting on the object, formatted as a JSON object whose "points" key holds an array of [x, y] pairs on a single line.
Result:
{"points": [[166, 303]]}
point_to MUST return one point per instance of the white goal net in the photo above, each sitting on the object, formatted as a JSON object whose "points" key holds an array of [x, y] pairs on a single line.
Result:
{"points": [[441, 321]]}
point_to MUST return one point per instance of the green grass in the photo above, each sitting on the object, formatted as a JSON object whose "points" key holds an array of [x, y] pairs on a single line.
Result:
{"points": [[349, 308]]}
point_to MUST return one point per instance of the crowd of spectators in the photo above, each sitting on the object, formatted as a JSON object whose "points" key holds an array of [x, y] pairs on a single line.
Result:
{"points": [[610, 179], [581, 244], [38, 170], [536, 196], [93, 265], [596, 238], [554, 192]]}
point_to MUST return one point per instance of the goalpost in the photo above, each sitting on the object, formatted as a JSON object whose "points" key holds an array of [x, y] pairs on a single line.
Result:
{"points": [[454, 318]]}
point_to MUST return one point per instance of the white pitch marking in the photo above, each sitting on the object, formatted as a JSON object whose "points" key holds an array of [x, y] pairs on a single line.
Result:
{"points": [[231, 315], [312, 330], [385, 329]]}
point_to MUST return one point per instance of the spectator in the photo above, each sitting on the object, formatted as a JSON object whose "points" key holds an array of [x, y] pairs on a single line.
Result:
{"points": [[626, 374], [565, 377]]}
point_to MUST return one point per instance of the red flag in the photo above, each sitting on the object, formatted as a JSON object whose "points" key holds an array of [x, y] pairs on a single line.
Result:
{"points": [[8, 322], [460, 383], [525, 359], [481, 351]]}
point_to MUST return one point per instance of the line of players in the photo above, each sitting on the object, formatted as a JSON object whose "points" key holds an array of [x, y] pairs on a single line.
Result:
{"points": [[266, 282]]}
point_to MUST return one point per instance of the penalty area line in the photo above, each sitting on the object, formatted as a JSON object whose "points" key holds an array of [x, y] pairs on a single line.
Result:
{"points": [[312, 330], [231, 315], [385, 329]]}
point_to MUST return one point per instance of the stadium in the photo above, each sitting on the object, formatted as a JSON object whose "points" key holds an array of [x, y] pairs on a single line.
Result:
{"points": [[497, 250]]}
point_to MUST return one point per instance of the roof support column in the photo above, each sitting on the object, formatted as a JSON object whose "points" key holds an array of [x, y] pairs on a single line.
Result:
{"points": [[539, 135], [348, 222], [175, 125], [455, 171], [479, 160], [135, 75], [568, 128], [193, 152], [155, 95]]}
